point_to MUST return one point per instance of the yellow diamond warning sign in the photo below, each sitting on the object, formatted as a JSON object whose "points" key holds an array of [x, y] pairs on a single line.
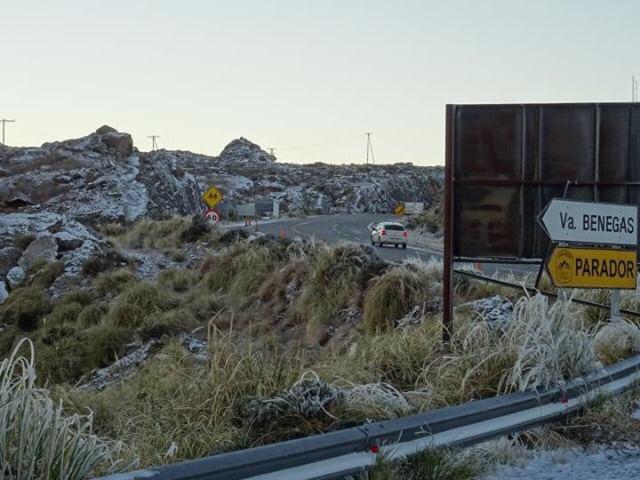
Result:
{"points": [[593, 268], [212, 197], [400, 209]]}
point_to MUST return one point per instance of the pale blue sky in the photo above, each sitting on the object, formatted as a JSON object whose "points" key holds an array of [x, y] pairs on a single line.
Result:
{"points": [[294, 73]]}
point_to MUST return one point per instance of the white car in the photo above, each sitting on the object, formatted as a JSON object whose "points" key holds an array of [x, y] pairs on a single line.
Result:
{"points": [[389, 233]]}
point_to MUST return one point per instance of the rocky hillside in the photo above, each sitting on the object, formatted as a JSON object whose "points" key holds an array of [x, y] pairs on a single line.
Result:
{"points": [[53, 198], [245, 173], [103, 178]]}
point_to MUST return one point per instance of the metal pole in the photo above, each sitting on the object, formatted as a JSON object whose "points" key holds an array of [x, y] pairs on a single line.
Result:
{"points": [[447, 268], [368, 134], [4, 121], [615, 306]]}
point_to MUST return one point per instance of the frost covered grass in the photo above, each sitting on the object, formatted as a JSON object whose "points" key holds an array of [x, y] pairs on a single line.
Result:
{"points": [[303, 338], [616, 341], [551, 344], [38, 440]]}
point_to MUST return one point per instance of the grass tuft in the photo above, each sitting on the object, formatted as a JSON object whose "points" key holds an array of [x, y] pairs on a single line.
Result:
{"points": [[37, 439], [393, 294]]}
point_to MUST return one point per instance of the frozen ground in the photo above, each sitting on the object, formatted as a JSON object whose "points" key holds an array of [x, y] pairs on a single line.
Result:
{"points": [[599, 464]]}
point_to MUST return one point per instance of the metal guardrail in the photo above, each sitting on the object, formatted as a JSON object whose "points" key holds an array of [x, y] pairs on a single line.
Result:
{"points": [[337, 454]]}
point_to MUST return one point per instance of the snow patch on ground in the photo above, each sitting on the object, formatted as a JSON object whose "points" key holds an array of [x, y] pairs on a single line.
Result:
{"points": [[602, 463]]}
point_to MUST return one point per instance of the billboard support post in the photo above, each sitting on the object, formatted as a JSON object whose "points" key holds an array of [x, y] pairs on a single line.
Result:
{"points": [[447, 268]]}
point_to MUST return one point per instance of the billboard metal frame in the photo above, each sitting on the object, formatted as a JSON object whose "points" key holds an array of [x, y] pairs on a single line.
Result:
{"points": [[524, 169]]}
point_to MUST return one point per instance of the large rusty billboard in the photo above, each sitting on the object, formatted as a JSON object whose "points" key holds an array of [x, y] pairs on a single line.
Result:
{"points": [[507, 161]]}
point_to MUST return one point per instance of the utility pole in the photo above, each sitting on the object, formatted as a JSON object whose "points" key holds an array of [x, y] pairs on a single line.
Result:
{"points": [[634, 89], [154, 143], [4, 121], [369, 148], [272, 151]]}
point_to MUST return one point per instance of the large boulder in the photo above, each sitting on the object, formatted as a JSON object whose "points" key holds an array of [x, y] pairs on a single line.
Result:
{"points": [[120, 143], [44, 248]]}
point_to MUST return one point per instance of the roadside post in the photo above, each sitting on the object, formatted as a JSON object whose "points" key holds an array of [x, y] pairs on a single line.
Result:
{"points": [[594, 246]]}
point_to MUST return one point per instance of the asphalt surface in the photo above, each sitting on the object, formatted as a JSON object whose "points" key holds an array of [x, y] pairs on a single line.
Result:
{"points": [[355, 228]]}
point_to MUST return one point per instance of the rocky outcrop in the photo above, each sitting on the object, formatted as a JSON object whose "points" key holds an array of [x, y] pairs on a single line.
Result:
{"points": [[243, 153], [55, 238], [246, 173], [43, 248], [97, 178], [103, 178]]}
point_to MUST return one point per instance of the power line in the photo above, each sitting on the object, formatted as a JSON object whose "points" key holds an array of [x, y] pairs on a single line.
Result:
{"points": [[4, 122], [154, 143], [369, 148], [323, 144]]}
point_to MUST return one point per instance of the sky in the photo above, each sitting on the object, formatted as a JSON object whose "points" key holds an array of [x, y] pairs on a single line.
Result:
{"points": [[307, 78]]}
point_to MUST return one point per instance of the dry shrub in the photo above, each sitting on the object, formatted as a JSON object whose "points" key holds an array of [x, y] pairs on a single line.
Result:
{"points": [[178, 280], [22, 241], [114, 282], [105, 261], [25, 307], [47, 274], [396, 292], [334, 280], [157, 234], [142, 300]]}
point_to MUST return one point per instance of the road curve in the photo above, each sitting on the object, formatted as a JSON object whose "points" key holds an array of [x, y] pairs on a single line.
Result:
{"points": [[355, 228], [350, 228]]}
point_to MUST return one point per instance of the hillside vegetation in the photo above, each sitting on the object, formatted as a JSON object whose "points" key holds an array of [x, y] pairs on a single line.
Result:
{"points": [[245, 340]]}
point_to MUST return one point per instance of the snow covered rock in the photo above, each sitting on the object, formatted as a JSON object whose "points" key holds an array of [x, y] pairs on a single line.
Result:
{"points": [[57, 237], [16, 276], [97, 178], [497, 311], [44, 248]]}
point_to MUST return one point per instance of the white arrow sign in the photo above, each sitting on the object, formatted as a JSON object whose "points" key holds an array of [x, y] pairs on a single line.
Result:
{"points": [[586, 222]]}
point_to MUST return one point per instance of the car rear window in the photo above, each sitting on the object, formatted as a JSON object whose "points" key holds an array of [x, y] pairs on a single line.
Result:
{"points": [[394, 227]]}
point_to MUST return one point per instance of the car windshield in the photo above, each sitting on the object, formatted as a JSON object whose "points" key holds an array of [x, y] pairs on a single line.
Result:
{"points": [[391, 226]]}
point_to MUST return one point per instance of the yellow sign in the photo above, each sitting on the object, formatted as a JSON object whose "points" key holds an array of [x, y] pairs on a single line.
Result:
{"points": [[593, 268], [212, 197], [399, 210]]}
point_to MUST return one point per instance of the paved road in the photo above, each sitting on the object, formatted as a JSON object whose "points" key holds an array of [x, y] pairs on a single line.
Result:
{"points": [[354, 228]]}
